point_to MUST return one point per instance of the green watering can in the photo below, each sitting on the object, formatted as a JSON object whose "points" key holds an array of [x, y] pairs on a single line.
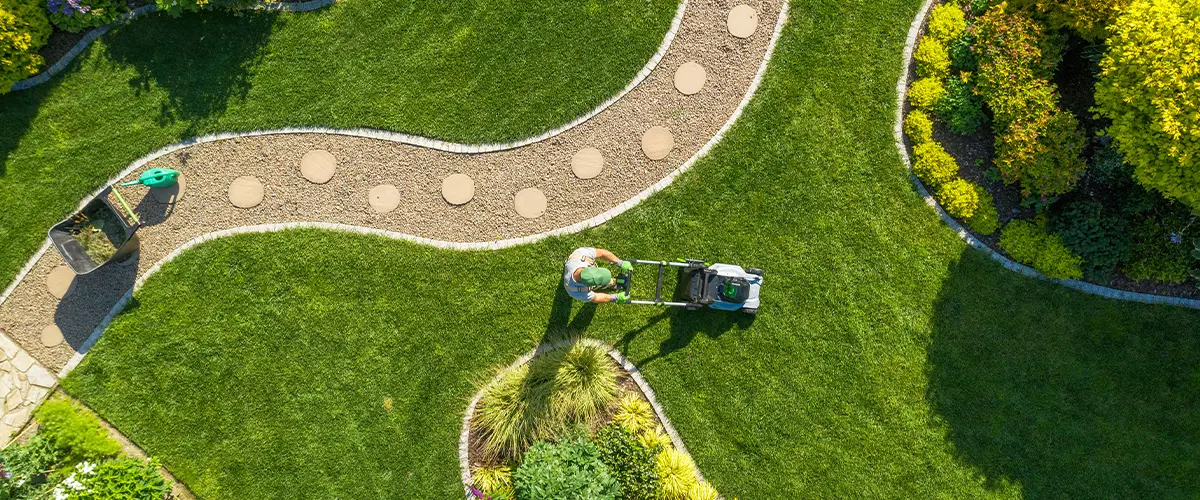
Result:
{"points": [[156, 178]]}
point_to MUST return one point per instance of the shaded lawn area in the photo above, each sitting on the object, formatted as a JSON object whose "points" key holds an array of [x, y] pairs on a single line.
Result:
{"points": [[461, 70], [888, 360]]}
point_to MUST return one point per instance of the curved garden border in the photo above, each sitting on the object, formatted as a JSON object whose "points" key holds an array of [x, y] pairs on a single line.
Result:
{"points": [[464, 438], [898, 134]]}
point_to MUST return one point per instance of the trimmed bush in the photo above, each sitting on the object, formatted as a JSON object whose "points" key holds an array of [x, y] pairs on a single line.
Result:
{"points": [[947, 22], [570, 469], [676, 474], [960, 198], [918, 127], [629, 461], [24, 29], [494, 481], [1150, 88], [78, 15], [933, 165], [635, 414], [1103, 240], [1029, 243], [932, 59], [925, 93], [985, 220], [74, 430], [960, 108]]}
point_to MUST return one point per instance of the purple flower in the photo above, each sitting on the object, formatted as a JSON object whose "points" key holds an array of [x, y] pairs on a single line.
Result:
{"points": [[1176, 238], [479, 494]]}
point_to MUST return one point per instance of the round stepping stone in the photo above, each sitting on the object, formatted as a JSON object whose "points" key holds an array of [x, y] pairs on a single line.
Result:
{"points": [[245, 192], [51, 335], [317, 166], [657, 143], [170, 195], [384, 198], [743, 20], [458, 189], [690, 78], [530, 203], [587, 163], [60, 281]]}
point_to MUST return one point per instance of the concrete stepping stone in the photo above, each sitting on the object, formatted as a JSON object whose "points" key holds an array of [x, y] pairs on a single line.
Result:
{"points": [[246, 192], [530, 203], [170, 195], [52, 335], [587, 163], [657, 143], [384, 198], [60, 281], [742, 21], [690, 78], [318, 166], [458, 189]]}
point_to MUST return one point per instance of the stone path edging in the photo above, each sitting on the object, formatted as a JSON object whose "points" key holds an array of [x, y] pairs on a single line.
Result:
{"points": [[464, 462], [898, 134], [96, 33]]}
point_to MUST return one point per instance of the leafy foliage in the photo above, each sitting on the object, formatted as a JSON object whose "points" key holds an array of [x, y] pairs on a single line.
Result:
{"points": [[121, 479], [632, 463], [947, 22], [1089, 18], [925, 93], [178, 7], [570, 469], [1150, 88], [985, 220], [1102, 239], [1108, 168], [960, 198], [962, 58], [960, 108], [933, 165], [1157, 255], [1029, 243], [933, 61], [676, 474], [494, 481], [75, 431], [918, 127], [635, 414], [78, 15], [24, 29], [24, 465]]}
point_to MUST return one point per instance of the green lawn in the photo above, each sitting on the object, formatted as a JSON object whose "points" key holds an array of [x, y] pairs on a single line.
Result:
{"points": [[461, 70], [889, 359]]}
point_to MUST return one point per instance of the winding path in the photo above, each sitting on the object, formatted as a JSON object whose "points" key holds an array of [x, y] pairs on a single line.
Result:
{"points": [[47, 333]]}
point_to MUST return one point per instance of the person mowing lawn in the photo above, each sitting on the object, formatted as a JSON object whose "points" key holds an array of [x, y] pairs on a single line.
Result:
{"points": [[582, 277]]}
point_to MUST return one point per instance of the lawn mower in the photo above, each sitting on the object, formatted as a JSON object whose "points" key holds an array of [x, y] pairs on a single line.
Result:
{"points": [[720, 286]]}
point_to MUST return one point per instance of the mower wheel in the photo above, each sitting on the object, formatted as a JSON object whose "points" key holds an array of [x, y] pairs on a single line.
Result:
{"points": [[750, 310], [754, 270]]}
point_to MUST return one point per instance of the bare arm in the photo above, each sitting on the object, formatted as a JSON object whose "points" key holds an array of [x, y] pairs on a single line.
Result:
{"points": [[607, 255], [601, 298]]}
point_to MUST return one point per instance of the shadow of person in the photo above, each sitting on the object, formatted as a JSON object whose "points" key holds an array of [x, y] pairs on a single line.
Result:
{"points": [[92, 298], [1064, 394], [561, 326]]}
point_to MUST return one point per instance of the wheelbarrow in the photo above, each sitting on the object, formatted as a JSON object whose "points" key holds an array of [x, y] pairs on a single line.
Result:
{"points": [[98, 222]]}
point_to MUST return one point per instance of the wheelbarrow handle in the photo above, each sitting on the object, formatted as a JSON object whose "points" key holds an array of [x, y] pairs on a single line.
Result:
{"points": [[125, 204]]}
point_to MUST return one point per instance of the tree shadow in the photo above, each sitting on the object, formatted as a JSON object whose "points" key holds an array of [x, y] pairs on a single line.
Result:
{"points": [[17, 112], [1066, 394], [92, 297], [201, 61]]}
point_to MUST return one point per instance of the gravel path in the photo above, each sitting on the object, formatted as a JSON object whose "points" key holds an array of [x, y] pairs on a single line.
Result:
{"points": [[731, 64]]}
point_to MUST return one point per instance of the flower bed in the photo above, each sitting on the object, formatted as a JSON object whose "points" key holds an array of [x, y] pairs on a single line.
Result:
{"points": [[570, 422], [1008, 130]]}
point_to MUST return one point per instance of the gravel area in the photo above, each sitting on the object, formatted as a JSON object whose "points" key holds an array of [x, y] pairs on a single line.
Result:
{"points": [[362, 164]]}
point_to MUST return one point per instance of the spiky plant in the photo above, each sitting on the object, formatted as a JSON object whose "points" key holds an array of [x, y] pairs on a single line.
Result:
{"points": [[494, 481], [584, 381], [635, 414], [513, 412], [655, 439], [703, 491], [676, 474]]}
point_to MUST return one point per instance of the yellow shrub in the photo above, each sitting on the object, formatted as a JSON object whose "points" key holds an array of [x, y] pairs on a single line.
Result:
{"points": [[933, 61], [960, 198], [946, 22], [655, 439], [1150, 88], [635, 414], [918, 127], [703, 491], [1089, 18], [933, 165], [24, 28], [985, 220], [925, 93], [1028, 242], [676, 474]]}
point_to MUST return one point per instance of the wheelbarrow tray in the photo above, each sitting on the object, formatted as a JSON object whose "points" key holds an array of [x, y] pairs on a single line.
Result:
{"points": [[74, 253]]}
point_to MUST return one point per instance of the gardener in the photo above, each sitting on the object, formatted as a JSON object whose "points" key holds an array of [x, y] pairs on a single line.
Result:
{"points": [[582, 277]]}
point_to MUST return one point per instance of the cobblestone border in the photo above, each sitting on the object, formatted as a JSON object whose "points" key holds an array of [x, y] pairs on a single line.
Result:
{"points": [[898, 135], [464, 437], [96, 33]]}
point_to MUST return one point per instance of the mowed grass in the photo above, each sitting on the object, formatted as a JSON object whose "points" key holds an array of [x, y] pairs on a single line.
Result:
{"points": [[461, 70], [889, 359]]}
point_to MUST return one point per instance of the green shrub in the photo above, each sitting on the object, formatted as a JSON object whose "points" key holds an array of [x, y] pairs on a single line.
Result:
{"points": [[1156, 256], [25, 463], [978, 7], [985, 220], [570, 469], [584, 380], [925, 93], [1108, 168], [1029, 243], [947, 22], [933, 165], [1103, 240], [676, 474], [1150, 88], [494, 481], [177, 7], [513, 412], [918, 127], [120, 479], [24, 29], [75, 431], [962, 58], [78, 15], [1089, 18], [629, 461], [960, 198], [932, 59], [960, 108]]}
